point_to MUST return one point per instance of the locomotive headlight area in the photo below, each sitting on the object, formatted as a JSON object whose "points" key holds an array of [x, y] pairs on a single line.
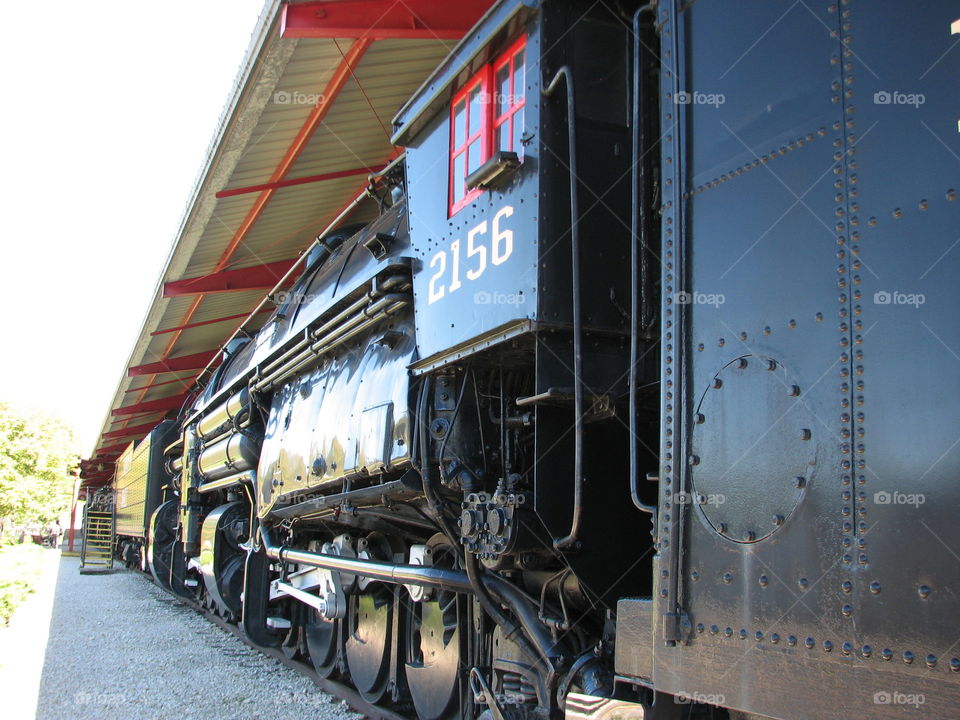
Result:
{"points": [[558, 359]]}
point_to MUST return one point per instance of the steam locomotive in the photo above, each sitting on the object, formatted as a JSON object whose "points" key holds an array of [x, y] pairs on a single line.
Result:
{"points": [[579, 425]]}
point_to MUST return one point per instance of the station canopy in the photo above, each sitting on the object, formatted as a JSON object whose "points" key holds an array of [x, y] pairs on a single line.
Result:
{"points": [[308, 120]]}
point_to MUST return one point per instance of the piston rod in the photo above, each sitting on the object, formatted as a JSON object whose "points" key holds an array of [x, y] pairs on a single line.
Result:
{"points": [[387, 572]]}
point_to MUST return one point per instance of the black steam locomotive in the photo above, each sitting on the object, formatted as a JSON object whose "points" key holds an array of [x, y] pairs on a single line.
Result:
{"points": [[633, 400]]}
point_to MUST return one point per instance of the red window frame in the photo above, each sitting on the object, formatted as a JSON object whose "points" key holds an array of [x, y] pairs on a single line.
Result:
{"points": [[475, 129], [483, 128], [515, 105]]}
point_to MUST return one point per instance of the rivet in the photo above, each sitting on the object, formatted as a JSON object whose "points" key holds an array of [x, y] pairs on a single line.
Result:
{"points": [[827, 646], [794, 391], [749, 536], [695, 575], [792, 640], [847, 610], [763, 580], [743, 634], [805, 434], [728, 631], [771, 365], [897, 213], [693, 460], [846, 586], [741, 363], [866, 651], [923, 591], [699, 627], [758, 636], [955, 664], [792, 324], [809, 642], [931, 661], [722, 528], [846, 648], [727, 578], [717, 383], [924, 205], [699, 418], [778, 519], [714, 629], [886, 654], [875, 587], [774, 638], [799, 482], [951, 196], [907, 657]]}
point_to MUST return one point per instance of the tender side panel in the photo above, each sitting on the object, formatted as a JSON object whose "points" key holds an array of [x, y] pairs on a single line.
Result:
{"points": [[905, 369], [782, 160]]}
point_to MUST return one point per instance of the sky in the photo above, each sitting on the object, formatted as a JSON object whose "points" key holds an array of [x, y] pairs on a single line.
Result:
{"points": [[108, 110]]}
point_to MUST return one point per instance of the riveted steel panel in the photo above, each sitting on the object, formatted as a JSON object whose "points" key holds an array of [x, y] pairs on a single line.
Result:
{"points": [[770, 533]]}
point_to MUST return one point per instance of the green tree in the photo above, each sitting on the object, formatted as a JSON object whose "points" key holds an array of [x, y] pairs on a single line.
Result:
{"points": [[38, 453]]}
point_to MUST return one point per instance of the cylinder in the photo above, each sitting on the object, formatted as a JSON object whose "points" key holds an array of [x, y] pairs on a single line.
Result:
{"points": [[227, 412], [233, 454]]}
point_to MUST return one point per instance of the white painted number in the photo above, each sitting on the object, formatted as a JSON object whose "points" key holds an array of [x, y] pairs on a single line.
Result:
{"points": [[498, 249], [480, 250], [437, 291], [502, 241]]}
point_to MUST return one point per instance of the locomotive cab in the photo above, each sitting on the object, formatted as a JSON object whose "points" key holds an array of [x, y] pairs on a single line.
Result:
{"points": [[511, 146]]}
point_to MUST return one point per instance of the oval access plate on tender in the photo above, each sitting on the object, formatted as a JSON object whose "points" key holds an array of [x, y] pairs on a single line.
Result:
{"points": [[753, 450]]}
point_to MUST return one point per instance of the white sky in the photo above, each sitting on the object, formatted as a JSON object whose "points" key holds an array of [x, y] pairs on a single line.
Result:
{"points": [[108, 108]]}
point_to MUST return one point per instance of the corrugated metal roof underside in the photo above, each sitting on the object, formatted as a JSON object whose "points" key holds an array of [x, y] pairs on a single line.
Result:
{"points": [[271, 103]]}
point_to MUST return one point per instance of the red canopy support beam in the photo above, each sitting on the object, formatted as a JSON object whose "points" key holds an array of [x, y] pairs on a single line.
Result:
{"points": [[167, 403], [108, 450], [257, 277], [297, 181], [268, 308], [130, 431], [196, 361], [382, 19], [187, 381]]}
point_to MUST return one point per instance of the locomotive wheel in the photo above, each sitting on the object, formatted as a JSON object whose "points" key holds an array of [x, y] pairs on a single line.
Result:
{"points": [[369, 619], [322, 638], [434, 652], [162, 538]]}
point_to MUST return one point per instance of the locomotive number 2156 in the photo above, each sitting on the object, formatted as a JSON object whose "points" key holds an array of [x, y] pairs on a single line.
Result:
{"points": [[485, 246]]}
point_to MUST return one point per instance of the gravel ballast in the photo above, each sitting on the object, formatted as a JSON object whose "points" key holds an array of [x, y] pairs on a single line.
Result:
{"points": [[121, 648]]}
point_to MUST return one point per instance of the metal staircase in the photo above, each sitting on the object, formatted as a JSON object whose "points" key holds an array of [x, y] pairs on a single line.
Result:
{"points": [[96, 552]]}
